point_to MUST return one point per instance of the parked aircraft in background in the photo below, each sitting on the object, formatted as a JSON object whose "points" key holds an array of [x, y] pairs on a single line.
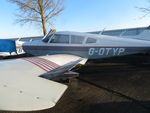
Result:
{"points": [[7, 47], [140, 33]]}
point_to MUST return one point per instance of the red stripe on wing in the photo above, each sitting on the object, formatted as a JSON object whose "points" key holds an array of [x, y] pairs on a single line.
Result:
{"points": [[44, 64]]}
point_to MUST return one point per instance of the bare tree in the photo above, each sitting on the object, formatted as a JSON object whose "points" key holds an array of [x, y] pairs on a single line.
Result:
{"points": [[38, 11], [145, 10]]}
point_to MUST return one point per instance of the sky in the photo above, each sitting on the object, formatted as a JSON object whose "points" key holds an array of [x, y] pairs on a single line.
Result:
{"points": [[79, 15]]}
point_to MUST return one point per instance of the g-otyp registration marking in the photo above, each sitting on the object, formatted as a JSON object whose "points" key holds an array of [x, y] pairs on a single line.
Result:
{"points": [[106, 51]]}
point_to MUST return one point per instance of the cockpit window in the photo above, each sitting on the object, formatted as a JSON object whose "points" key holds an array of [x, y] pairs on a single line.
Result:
{"points": [[77, 39], [91, 40], [60, 39]]}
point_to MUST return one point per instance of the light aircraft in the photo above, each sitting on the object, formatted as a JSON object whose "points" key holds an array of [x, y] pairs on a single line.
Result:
{"points": [[86, 45], [23, 82]]}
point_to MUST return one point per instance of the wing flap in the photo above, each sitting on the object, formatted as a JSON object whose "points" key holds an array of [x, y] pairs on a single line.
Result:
{"points": [[62, 69]]}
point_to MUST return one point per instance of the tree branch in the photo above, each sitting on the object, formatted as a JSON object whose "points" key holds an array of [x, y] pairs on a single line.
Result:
{"points": [[23, 5]]}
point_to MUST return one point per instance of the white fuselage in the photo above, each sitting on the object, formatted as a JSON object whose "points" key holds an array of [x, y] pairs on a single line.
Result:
{"points": [[86, 45]]}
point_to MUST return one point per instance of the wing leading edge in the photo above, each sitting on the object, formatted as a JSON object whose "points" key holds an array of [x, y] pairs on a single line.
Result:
{"points": [[21, 88]]}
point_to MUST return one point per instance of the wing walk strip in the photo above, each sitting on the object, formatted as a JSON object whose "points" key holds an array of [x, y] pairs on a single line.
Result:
{"points": [[44, 64]]}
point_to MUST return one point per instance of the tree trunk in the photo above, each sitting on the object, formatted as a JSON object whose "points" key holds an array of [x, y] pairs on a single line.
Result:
{"points": [[40, 2]]}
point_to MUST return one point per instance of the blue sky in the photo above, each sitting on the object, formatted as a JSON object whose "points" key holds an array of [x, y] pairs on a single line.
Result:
{"points": [[79, 15]]}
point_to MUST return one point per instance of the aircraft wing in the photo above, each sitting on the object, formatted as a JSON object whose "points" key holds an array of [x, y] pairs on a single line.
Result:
{"points": [[22, 88]]}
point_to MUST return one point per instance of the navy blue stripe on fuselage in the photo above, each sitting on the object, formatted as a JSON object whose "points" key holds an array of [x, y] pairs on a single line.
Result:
{"points": [[91, 52], [76, 48]]}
